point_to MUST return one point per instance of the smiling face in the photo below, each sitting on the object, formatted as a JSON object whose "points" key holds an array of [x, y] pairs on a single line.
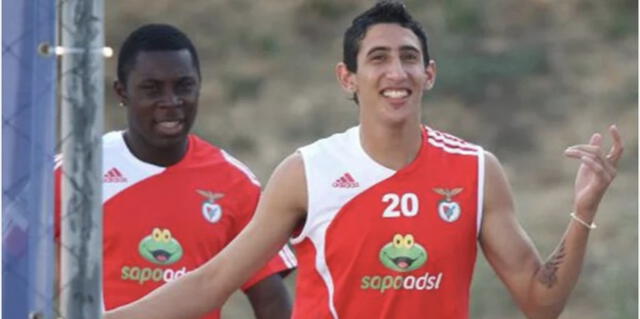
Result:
{"points": [[403, 254], [161, 95], [391, 75]]}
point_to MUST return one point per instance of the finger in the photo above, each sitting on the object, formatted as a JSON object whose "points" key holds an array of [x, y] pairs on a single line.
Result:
{"points": [[598, 169], [581, 154], [616, 149], [591, 149], [596, 139], [586, 148]]}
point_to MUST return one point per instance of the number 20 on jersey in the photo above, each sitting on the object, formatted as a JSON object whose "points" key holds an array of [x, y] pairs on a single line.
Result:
{"points": [[400, 205]]}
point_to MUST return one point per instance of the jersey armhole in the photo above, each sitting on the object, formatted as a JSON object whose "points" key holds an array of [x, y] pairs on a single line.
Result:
{"points": [[480, 195], [301, 231]]}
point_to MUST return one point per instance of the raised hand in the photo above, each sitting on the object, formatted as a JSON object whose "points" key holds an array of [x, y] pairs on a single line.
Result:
{"points": [[596, 171]]}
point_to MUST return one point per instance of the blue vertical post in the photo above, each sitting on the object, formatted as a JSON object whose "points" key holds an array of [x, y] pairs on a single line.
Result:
{"points": [[28, 148]]}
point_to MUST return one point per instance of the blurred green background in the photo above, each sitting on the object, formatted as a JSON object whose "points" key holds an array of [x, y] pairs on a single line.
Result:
{"points": [[525, 79]]}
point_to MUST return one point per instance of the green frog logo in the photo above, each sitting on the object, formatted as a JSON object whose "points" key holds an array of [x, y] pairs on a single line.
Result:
{"points": [[403, 254], [160, 247]]}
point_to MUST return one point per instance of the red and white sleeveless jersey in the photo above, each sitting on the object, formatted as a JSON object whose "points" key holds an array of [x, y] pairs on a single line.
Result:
{"points": [[379, 243], [162, 222]]}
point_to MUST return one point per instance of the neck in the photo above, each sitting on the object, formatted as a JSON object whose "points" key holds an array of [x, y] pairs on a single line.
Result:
{"points": [[391, 146], [159, 156]]}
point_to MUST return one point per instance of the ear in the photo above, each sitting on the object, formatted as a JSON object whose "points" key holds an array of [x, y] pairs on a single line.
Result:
{"points": [[121, 91], [430, 70], [346, 78]]}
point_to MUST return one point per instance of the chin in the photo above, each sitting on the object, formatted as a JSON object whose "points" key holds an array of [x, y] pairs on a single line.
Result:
{"points": [[400, 117], [169, 141]]}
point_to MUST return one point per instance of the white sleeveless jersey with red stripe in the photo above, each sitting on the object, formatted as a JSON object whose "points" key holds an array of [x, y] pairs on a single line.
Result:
{"points": [[379, 243]]}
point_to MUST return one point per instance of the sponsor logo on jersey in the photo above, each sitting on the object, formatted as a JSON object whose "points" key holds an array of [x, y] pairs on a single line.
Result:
{"points": [[159, 248], [211, 211], [389, 282], [114, 176], [345, 181], [146, 274], [448, 209], [403, 254]]}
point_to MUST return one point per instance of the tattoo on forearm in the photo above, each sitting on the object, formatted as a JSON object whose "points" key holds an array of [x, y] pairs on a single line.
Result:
{"points": [[547, 273]]}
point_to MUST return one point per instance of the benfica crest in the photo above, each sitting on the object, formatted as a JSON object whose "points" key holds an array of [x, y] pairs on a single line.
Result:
{"points": [[448, 209], [211, 211]]}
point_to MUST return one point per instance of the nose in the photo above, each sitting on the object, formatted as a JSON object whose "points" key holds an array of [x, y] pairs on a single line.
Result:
{"points": [[395, 70], [170, 99]]}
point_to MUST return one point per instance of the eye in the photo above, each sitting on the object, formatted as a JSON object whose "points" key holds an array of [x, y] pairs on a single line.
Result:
{"points": [[166, 235], [149, 86], [409, 241], [410, 57], [186, 86], [150, 90], [397, 241], [377, 58], [157, 234]]}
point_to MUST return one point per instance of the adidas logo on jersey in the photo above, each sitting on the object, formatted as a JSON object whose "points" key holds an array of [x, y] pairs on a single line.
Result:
{"points": [[114, 176], [346, 181]]}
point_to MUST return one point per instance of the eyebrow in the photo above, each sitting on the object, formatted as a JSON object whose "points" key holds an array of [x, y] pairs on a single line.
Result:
{"points": [[403, 48], [409, 48], [148, 80], [378, 49], [153, 78]]}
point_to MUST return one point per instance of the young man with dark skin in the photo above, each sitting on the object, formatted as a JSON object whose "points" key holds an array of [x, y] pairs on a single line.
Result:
{"points": [[387, 216], [171, 200]]}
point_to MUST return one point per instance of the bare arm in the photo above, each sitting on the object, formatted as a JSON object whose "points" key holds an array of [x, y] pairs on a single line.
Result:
{"points": [[281, 207], [540, 288], [270, 298]]}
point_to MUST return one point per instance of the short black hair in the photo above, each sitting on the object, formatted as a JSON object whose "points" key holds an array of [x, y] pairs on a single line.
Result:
{"points": [[385, 11], [153, 37]]}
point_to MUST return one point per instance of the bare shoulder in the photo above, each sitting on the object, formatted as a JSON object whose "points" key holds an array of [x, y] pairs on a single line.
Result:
{"points": [[498, 199], [492, 163], [292, 166], [288, 184]]}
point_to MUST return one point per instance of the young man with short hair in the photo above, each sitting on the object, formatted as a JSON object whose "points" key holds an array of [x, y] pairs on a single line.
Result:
{"points": [[172, 201]]}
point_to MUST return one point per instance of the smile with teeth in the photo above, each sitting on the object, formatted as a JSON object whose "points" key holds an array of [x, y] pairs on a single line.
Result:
{"points": [[395, 94], [169, 124]]}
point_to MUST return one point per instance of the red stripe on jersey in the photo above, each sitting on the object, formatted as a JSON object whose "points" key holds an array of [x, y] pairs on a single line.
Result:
{"points": [[309, 303]]}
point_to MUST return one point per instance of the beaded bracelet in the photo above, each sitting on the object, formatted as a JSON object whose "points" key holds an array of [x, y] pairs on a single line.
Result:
{"points": [[585, 224]]}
